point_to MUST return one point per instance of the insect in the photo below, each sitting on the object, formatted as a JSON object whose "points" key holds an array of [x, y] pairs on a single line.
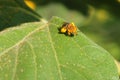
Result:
{"points": [[69, 29]]}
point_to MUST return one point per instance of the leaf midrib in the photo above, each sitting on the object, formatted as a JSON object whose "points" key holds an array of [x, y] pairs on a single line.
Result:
{"points": [[55, 55]]}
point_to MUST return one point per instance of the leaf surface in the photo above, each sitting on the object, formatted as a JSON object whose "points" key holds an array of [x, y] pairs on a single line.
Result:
{"points": [[36, 51]]}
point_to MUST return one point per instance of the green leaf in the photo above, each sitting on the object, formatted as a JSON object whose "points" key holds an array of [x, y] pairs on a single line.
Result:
{"points": [[36, 51]]}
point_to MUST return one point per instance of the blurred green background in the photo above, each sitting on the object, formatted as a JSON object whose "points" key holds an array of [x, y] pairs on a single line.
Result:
{"points": [[98, 19]]}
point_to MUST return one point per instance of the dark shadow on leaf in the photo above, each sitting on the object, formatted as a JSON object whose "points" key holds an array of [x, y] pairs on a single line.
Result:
{"points": [[22, 4], [13, 14]]}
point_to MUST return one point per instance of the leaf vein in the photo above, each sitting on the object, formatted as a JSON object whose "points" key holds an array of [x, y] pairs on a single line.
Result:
{"points": [[22, 40], [15, 67], [58, 64], [34, 57]]}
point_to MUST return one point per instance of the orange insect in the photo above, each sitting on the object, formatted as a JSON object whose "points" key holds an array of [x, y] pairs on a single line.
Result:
{"points": [[69, 28]]}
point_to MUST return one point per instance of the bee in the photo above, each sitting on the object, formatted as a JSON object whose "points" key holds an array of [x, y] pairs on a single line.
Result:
{"points": [[69, 29]]}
